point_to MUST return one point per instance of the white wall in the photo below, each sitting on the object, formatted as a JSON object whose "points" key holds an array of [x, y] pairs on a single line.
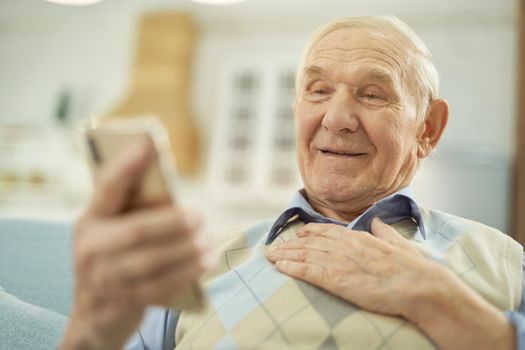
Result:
{"points": [[45, 47]]}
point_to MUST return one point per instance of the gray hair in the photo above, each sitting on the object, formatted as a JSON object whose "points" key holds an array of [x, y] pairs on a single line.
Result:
{"points": [[419, 74]]}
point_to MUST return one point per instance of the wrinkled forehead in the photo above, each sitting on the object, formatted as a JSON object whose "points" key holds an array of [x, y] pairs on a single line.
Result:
{"points": [[345, 46]]}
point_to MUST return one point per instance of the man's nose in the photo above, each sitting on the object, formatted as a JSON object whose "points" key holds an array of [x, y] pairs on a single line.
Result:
{"points": [[341, 115]]}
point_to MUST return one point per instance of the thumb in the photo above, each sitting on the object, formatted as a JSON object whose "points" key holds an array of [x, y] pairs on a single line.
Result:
{"points": [[384, 231], [119, 178]]}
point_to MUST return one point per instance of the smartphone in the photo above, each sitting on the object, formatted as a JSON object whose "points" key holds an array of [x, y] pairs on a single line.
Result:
{"points": [[106, 139]]}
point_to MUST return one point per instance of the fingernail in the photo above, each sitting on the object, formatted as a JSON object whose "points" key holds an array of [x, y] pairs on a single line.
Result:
{"points": [[378, 219]]}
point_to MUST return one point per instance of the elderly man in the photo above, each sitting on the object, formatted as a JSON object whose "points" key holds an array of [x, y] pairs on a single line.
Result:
{"points": [[328, 272]]}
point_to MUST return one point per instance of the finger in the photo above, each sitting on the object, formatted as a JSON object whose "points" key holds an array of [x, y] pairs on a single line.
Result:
{"points": [[323, 230], [168, 285], [318, 243], [331, 231], [286, 254], [300, 255], [384, 231], [155, 260], [143, 228], [109, 282], [307, 272], [119, 178]]}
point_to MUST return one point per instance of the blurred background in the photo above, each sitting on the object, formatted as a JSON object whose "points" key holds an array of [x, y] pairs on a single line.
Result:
{"points": [[221, 79]]}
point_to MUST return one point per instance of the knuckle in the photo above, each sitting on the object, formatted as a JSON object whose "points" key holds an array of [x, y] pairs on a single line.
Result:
{"points": [[145, 267], [309, 225], [305, 242], [180, 227], [393, 241], [135, 233], [388, 250], [304, 255], [302, 269], [188, 250], [85, 254]]}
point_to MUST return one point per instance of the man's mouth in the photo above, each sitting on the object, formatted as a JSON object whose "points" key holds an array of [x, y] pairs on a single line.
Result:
{"points": [[341, 153]]}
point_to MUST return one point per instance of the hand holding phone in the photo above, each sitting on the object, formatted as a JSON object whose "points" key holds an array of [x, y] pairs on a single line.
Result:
{"points": [[106, 140]]}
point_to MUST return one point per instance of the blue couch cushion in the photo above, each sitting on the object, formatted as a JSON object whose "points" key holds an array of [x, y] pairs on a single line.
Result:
{"points": [[36, 264]]}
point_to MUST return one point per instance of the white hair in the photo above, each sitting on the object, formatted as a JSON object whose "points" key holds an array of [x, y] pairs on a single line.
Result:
{"points": [[419, 73]]}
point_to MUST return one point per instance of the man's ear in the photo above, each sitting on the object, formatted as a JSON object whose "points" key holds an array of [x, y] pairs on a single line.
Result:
{"points": [[433, 127]]}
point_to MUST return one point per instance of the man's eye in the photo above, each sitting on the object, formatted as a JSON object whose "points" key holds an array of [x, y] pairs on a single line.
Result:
{"points": [[318, 89], [372, 96]]}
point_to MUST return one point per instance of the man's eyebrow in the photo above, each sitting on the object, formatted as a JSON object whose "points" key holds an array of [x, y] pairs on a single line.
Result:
{"points": [[374, 74], [313, 71], [379, 75]]}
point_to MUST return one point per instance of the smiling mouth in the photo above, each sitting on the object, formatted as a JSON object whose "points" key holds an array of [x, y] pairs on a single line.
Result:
{"points": [[340, 154]]}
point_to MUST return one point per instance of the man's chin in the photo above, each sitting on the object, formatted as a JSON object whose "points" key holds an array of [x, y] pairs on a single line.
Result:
{"points": [[330, 190]]}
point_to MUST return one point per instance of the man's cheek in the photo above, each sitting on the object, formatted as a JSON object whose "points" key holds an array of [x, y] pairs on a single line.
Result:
{"points": [[304, 135]]}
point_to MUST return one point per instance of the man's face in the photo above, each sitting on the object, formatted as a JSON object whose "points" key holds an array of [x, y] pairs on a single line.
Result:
{"points": [[356, 124]]}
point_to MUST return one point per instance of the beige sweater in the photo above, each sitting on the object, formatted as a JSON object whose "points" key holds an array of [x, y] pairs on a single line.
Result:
{"points": [[252, 306]]}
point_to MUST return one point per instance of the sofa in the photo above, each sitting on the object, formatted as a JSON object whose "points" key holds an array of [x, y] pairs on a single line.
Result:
{"points": [[36, 285]]}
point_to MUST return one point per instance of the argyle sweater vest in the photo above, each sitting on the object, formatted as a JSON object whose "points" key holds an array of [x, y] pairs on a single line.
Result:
{"points": [[253, 306]]}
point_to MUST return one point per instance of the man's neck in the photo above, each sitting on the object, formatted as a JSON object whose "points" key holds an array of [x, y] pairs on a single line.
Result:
{"points": [[346, 211]]}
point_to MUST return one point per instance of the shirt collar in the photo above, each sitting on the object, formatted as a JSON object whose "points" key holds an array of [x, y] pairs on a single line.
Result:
{"points": [[394, 208]]}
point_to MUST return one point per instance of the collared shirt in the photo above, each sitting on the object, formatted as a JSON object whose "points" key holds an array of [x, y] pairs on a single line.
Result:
{"points": [[391, 209], [158, 327]]}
